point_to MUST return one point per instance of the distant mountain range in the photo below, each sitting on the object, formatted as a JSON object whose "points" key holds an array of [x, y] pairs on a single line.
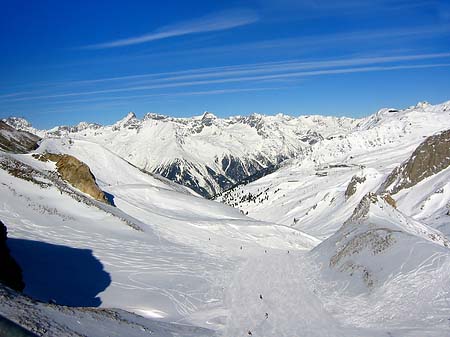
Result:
{"points": [[338, 226]]}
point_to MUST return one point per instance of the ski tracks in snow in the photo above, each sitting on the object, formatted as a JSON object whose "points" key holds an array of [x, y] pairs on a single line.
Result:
{"points": [[269, 297]]}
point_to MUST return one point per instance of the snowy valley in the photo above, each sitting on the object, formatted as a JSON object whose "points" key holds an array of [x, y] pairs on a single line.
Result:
{"points": [[246, 226]]}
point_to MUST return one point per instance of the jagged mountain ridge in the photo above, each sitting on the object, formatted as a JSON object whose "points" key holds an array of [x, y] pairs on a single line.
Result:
{"points": [[206, 153], [211, 155], [317, 191]]}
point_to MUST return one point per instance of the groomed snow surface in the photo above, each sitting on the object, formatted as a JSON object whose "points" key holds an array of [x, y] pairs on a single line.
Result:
{"points": [[305, 263]]}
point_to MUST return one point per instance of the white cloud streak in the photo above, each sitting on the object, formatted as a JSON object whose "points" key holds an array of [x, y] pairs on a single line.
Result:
{"points": [[267, 67], [274, 67], [223, 74], [214, 22], [176, 94], [240, 79]]}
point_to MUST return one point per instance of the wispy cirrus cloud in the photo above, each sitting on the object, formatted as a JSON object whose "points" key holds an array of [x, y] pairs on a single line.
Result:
{"points": [[214, 22], [268, 67], [343, 6], [263, 68], [115, 98], [274, 71]]}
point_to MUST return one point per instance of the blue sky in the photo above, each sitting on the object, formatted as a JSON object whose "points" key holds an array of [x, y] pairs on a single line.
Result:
{"points": [[62, 62]]}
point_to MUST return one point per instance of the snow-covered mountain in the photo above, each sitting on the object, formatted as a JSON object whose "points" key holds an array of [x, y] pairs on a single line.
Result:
{"points": [[348, 237], [317, 191], [15, 140], [205, 153]]}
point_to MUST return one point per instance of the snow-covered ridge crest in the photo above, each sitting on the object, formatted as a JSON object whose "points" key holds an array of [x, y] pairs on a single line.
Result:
{"points": [[210, 154], [378, 205], [430, 157], [376, 243], [206, 153]]}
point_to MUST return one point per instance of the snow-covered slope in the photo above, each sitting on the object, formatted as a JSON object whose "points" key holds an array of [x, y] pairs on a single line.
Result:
{"points": [[46, 319], [205, 153], [309, 192], [160, 252], [421, 183], [381, 274], [429, 201], [379, 265], [163, 252]]}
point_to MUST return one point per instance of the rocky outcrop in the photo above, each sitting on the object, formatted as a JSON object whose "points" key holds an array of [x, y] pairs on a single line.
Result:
{"points": [[76, 173], [376, 243], [431, 157], [12, 140], [352, 186], [10, 272]]}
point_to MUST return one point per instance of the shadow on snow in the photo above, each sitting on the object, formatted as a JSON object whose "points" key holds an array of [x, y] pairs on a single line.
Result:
{"points": [[68, 276], [110, 198]]}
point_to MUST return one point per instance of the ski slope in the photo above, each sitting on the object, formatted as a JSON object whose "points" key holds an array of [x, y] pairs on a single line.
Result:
{"points": [[318, 253], [176, 269]]}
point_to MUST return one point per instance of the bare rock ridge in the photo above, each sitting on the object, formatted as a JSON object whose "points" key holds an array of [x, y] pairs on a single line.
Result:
{"points": [[10, 271], [430, 157], [12, 140], [76, 173]]}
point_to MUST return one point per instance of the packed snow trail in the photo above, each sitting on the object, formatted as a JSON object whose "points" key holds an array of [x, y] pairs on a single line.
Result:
{"points": [[281, 294], [292, 309]]}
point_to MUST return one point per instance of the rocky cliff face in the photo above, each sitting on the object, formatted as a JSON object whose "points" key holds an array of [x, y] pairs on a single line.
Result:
{"points": [[76, 173], [10, 272], [431, 157], [12, 140]]}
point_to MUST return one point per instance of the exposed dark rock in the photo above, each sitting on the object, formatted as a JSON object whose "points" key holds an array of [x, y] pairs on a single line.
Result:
{"points": [[388, 198], [12, 140], [311, 137], [175, 171], [10, 272], [351, 188], [223, 181], [234, 171], [431, 157]]}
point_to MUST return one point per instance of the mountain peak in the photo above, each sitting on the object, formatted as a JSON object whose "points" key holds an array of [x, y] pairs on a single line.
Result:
{"points": [[130, 115], [18, 123], [422, 105], [208, 115], [129, 120], [208, 118]]}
